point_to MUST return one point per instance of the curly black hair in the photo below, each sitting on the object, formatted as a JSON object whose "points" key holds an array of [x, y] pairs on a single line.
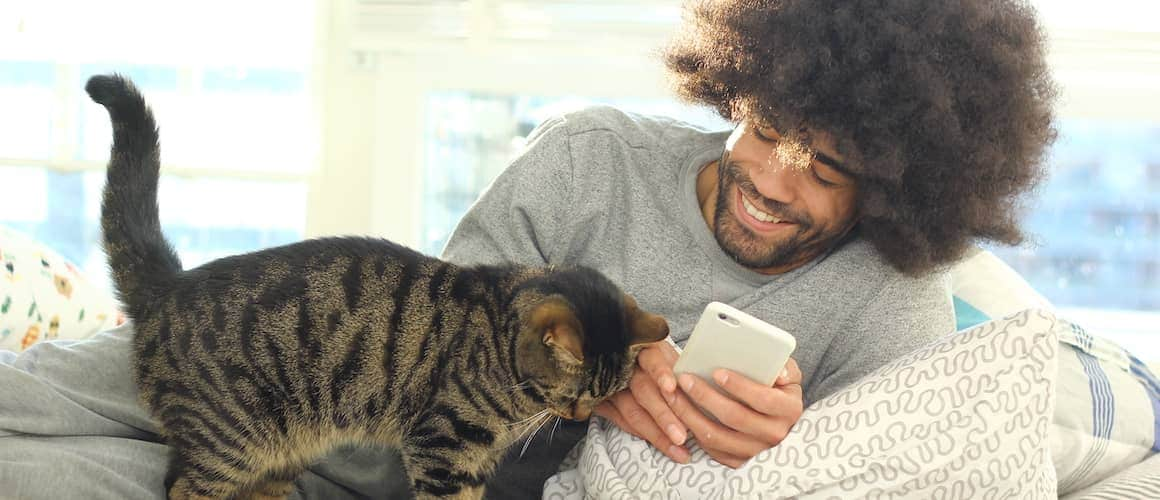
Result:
{"points": [[943, 108]]}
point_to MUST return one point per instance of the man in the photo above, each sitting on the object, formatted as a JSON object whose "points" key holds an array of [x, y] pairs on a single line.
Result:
{"points": [[876, 141]]}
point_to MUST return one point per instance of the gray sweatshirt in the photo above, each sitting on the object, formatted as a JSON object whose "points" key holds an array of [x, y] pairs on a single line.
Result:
{"points": [[617, 192]]}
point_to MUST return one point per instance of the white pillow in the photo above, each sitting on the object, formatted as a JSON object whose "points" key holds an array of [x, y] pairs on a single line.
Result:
{"points": [[984, 288], [1141, 480], [1107, 413], [966, 417], [44, 297]]}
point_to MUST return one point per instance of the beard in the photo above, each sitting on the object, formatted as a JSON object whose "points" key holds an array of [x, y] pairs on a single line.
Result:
{"points": [[751, 250]]}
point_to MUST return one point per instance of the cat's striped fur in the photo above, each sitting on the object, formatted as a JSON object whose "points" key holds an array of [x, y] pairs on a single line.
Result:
{"points": [[255, 365]]}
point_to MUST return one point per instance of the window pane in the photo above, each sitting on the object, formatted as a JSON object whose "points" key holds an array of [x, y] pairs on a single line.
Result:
{"points": [[221, 118], [1095, 227], [204, 218], [234, 99], [30, 107], [471, 138]]}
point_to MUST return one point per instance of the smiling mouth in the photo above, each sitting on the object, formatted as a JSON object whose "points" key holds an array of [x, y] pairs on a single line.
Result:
{"points": [[753, 211], [757, 217]]}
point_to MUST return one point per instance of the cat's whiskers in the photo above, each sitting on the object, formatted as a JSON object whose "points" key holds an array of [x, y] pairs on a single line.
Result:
{"points": [[519, 386], [554, 427], [527, 420], [532, 436]]}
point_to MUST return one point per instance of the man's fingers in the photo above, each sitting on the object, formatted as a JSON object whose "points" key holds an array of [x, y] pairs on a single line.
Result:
{"points": [[657, 360], [608, 411], [790, 375], [713, 435], [649, 396], [728, 411], [780, 400], [636, 417]]}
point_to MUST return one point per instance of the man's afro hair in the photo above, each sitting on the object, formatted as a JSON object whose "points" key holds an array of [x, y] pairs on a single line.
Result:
{"points": [[942, 108]]}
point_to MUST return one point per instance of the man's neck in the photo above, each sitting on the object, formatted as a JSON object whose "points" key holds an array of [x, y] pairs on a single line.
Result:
{"points": [[707, 192]]}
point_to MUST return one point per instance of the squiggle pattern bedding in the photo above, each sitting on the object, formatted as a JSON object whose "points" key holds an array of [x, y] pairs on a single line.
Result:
{"points": [[966, 417]]}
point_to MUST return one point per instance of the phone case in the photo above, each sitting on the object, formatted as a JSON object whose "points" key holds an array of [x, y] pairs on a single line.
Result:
{"points": [[726, 337]]}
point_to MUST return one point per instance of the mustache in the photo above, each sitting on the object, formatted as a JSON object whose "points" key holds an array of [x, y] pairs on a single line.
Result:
{"points": [[735, 174]]}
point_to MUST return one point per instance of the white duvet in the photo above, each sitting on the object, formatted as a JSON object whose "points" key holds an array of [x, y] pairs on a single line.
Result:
{"points": [[966, 417]]}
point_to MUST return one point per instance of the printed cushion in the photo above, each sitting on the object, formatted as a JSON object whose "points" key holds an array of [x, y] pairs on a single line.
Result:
{"points": [[43, 296], [1107, 417], [966, 417]]}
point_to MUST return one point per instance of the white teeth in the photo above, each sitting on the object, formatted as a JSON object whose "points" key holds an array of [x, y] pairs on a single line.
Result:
{"points": [[758, 214]]}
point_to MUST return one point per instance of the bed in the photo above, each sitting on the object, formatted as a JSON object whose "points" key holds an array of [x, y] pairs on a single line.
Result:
{"points": [[1019, 403]]}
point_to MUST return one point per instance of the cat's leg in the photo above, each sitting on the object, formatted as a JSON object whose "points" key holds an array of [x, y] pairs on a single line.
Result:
{"points": [[276, 485], [185, 481], [199, 472], [444, 470]]}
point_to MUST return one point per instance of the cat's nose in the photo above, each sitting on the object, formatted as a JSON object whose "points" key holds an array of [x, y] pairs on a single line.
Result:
{"points": [[580, 413]]}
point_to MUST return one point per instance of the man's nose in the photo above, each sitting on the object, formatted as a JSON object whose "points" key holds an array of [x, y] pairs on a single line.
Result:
{"points": [[776, 181]]}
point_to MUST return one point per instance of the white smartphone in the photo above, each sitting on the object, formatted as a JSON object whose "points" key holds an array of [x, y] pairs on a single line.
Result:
{"points": [[726, 337]]}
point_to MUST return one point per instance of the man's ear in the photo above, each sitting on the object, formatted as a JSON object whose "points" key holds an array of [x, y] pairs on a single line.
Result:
{"points": [[644, 327], [559, 328]]}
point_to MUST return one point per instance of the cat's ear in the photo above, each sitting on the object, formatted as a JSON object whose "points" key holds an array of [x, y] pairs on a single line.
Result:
{"points": [[560, 329], [566, 341], [644, 327]]}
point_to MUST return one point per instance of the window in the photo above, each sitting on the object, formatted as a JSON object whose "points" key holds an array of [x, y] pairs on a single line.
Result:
{"points": [[235, 112], [1094, 225], [1094, 248], [1094, 228], [471, 137]]}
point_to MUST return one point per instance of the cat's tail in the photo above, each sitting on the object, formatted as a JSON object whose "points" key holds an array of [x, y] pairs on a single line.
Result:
{"points": [[140, 259]]}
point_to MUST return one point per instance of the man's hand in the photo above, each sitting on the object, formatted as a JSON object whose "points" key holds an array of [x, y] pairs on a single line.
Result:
{"points": [[654, 410], [644, 408], [760, 421]]}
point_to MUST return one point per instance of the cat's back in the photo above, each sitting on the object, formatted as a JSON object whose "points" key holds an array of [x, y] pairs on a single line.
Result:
{"points": [[313, 267], [313, 252]]}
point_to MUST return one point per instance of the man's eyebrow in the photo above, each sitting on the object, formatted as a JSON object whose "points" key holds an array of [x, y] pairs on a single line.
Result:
{"points": [[832, 163], [826, 159]]}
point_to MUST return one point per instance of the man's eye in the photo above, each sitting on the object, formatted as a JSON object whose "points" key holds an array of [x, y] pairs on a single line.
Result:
{"points": [[819, 178], [766, 136]]}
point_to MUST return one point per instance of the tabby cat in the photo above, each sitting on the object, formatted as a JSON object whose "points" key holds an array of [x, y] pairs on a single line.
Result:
{"points": [[255, 365]]}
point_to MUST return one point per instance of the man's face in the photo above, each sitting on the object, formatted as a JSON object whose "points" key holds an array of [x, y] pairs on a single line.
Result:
{"points": [[780, 203]]}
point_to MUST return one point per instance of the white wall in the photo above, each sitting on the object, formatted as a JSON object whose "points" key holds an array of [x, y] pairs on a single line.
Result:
{"points": [[374, 85], [380, 60]]}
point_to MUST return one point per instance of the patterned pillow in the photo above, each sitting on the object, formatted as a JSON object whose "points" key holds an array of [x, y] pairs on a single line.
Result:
{"points": [[43, 296], [966, 417]]}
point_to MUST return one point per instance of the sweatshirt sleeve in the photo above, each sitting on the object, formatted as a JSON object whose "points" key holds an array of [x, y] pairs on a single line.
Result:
{"points": [[906, 314], [516, 218]]}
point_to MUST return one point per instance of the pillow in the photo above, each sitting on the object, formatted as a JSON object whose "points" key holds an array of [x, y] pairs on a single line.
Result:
{"points": [[43, 296], [1138, 481], [1106, 403], [966, 417], [1107, 416], [984, 287]]}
